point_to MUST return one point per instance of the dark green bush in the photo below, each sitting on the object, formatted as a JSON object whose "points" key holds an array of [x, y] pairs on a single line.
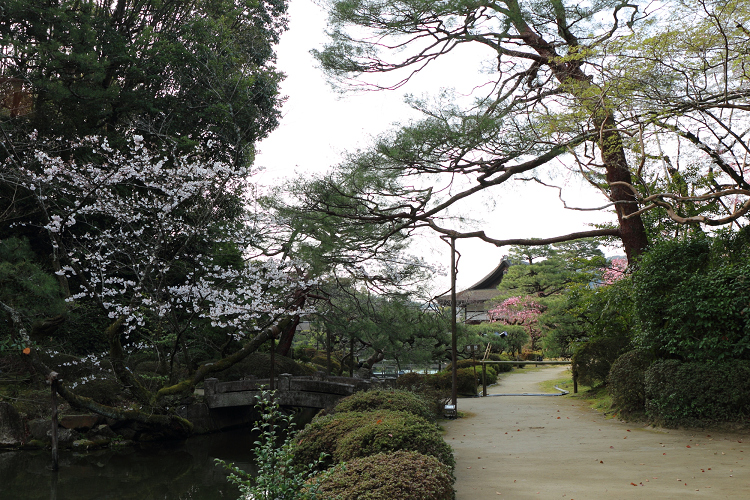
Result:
{"points": [[504, 368], [354, 434], [626, 381], [696, 393], [394, 431], [387, 399], [322, 436], [531, 356], [491, 370], [467, 382], [593, 360], [394, 476], [690, 297], [418, 383]]}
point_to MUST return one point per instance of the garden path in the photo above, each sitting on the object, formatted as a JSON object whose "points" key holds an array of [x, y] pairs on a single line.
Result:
{"points": [[522, 447]]}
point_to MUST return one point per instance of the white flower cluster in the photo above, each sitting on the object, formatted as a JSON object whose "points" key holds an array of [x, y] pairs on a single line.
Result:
{"points": [[129, 224]]}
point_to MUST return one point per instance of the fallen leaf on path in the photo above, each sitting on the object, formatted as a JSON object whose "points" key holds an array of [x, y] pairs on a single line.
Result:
{"points": [[688, 446]]}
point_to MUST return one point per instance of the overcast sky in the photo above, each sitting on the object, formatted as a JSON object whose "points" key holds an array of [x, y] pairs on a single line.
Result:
{"points": [[318, 125]]}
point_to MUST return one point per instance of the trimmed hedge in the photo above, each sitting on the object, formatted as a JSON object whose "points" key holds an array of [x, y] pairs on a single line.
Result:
{"points": [[417, 383], [387, 399], [348, 435], [501, 357], [467, 383], [394, 431], [626, 381], [395, 476], [492, 370], [696, 393]]}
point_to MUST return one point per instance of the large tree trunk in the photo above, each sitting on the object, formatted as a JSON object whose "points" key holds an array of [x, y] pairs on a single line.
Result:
{"points": [[569, 73], [287, 333]]}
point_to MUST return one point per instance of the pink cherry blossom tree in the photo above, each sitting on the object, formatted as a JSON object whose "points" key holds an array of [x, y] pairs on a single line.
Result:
{"points": [[521, 310]]}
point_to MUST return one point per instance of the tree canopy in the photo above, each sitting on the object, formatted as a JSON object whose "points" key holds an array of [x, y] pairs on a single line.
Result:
{"points": [[612, 91]]}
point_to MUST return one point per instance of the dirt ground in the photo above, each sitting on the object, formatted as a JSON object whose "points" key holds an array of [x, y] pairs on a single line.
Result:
{"points": [[540, 447]]}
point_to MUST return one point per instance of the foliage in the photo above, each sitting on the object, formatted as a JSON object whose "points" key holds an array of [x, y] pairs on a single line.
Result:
{"points": [[492, 370], [467, 381], [351, 434], [172, 69], [393, 431], [523, 311], [385, 399], [323, 433], [502, 337], [385, 325], [698, 393], [626, 381], [589, 313], [690, 295], [501, 368], [419, 384], [540, 283], [548, 270], [258, 364], [277, 476], [155, 249], [403, 474], [27, 288], [593, 360]]}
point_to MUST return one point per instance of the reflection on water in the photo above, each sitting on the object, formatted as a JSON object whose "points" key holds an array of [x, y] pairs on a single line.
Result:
{"points": [[179, 471]]}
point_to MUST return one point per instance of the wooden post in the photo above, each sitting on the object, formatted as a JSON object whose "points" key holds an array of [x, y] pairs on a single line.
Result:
{"points": [[454, 341], [484, 379], [575, 382], [473, 361], [53, 384]]}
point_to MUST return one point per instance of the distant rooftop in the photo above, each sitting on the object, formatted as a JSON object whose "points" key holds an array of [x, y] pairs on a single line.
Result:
{"points": [[482, 291]]}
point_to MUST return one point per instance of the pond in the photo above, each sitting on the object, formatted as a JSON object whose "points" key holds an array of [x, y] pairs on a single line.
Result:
{"points": [[160, 471]]}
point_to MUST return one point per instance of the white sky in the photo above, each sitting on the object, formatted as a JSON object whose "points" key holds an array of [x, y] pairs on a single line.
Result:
{"points": [[318, 125]]}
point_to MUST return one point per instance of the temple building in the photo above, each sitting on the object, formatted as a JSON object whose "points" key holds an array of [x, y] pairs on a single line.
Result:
{"points": [[472, 304]]}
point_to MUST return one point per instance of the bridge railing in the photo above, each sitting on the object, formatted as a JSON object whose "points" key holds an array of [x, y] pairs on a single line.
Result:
{"points": [[316, 391]]}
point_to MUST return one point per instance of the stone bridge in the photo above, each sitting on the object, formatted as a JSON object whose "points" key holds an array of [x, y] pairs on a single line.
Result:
{"points": [[318, 391]]}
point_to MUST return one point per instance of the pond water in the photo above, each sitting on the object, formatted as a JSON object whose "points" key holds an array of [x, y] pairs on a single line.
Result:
{"points": [[162, 471]]}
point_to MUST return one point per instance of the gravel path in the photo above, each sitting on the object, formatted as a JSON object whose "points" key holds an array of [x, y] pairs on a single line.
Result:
{"points": [[522, 447]]}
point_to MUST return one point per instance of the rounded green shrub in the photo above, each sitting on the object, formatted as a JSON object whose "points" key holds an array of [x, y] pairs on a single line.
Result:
{"points": [[697, 393], [387, 432], [418, 383], [504, 368], [626, 381], [346, 435], [386, 399], [467, 382], [393, 476], [322, 436]]}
